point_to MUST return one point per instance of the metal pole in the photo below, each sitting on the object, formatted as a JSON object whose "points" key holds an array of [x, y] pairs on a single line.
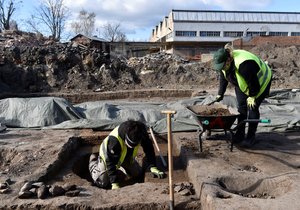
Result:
{"points": [[170, 156]]}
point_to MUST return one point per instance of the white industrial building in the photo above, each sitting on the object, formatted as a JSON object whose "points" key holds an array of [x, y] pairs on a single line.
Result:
{"points": [[192, 32]]}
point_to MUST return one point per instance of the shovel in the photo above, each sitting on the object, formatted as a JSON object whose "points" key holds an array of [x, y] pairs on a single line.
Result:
{"points": [[214, 101], [157, 148]]}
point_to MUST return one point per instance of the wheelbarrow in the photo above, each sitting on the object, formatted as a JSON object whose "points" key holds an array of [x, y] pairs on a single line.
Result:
{"points": [[218, 121]]}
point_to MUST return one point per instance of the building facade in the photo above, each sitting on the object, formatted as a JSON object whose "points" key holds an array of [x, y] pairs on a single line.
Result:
{"points": [[192, 32]]}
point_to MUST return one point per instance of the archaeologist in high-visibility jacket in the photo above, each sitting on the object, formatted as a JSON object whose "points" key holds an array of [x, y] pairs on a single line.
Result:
{"points": [[251, 78], [117, 154]]}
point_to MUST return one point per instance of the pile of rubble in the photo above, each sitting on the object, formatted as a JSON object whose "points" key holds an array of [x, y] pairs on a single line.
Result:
{"points": [[34, 64], [284, 62]]}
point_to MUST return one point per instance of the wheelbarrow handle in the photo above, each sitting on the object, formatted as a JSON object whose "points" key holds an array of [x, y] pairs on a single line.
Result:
{"points": [[251, 121], [265, 121], [258, 120]]}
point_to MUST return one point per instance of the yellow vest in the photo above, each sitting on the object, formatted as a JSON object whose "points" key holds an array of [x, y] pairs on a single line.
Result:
{"points": [[103, 148], [264, 75]]}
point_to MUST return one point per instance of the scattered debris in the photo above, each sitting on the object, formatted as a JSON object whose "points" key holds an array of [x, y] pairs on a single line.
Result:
{"points": [[184, 188], [4, 187]]}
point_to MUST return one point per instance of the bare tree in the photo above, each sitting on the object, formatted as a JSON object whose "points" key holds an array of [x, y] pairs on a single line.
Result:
{"points": [[7, 9], [52, 15], [33, 24], [85, 24], [113, 33]]}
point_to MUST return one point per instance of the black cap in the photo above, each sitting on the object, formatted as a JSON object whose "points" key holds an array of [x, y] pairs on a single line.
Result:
{"points": [[131, 142]]}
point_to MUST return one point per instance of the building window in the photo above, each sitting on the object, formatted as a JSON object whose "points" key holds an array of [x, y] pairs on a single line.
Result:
{"points": [[278, 33], [295, 34], [256, 33], [210, 33], [233, 33], [185, 33]]}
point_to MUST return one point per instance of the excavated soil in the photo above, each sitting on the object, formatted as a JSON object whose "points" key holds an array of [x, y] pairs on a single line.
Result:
{"points": [[213, 112], [37, 66]]}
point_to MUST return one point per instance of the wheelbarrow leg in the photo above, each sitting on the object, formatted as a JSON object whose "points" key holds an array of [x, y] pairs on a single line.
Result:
{"points": [[232, 140], [200, 140]]}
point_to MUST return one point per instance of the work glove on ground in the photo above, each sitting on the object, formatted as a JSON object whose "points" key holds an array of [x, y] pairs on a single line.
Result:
{"points": [[157, 173], [115, 186], [251, 102], [219, 98]]}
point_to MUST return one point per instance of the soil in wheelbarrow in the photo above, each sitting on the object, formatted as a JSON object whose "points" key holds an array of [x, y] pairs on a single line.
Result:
{"points": [[215, 112]]}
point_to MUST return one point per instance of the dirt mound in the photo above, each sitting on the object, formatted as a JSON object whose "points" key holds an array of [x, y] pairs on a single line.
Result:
{"points": [[57, 67], [284, 62]]}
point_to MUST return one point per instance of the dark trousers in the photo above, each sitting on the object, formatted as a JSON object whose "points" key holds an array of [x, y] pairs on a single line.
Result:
{"points": [[246, 113]]}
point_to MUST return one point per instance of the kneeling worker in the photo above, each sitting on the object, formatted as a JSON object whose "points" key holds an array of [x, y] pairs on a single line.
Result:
{"points": [[117, 153]]}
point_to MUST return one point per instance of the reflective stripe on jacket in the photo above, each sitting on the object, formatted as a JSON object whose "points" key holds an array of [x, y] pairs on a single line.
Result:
{"points": [[264, 75], [103, 148]]}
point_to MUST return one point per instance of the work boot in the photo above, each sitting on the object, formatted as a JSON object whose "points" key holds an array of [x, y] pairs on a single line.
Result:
{"points": [[238, 137], [249, 142]]}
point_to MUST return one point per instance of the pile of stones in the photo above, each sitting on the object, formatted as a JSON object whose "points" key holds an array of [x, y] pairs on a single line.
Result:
{"points": [[41, 190]]}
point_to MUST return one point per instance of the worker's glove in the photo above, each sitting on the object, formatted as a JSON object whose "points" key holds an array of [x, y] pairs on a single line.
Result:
{"points": [[157, 173], [251, 102], [219, 98], [115, 186]]}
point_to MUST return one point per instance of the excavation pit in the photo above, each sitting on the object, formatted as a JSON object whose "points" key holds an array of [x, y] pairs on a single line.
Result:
{"points": [[90, 145], [264, 188]]}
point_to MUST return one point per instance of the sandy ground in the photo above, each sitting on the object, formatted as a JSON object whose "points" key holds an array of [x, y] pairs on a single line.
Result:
{"points": [[264, 177]]}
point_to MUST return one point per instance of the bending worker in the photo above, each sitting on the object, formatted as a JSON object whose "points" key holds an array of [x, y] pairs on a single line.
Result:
{"points": [[251, 78], [117, 156]]}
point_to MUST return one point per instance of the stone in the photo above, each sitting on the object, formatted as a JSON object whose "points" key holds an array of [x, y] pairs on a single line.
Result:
{"points": [[42, 192], [26, 187], [37, 184], [72, 193], [4, 191], [3, 185], [57, 190], [25, 194], [69, 187]]}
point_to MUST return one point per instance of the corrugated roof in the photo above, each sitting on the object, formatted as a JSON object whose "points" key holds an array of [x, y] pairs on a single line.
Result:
{"points": [[235, 16]]}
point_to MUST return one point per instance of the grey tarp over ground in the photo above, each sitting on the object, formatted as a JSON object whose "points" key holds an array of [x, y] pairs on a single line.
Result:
{"points": [[282, 107]]}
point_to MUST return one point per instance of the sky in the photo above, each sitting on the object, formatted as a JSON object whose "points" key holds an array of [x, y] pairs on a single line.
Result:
{"points": [[138, 17]]}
